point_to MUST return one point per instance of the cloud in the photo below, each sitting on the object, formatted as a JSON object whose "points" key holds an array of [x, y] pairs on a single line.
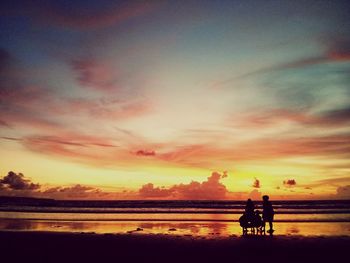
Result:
{"points": [[38, 108], [107, 109], [339, 49], [343, 192], [255, 195], [25, 105], [73, 192], [13, 181], [95, 74], [91, 150], [211, 189], [256, 183], [336, 50], [145, 153], [289, 183], [4, 123], [77, 16], [335, 117], [149, 191], [274, 117]]}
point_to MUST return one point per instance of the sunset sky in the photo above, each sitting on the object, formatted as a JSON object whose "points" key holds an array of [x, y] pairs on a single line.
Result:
{"points": [[175, 99]]}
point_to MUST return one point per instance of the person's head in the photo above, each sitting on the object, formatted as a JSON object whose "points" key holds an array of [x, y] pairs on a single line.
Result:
{"points": [[265, 198], [249, 200]]}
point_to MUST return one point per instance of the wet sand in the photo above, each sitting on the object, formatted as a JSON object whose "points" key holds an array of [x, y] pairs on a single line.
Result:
{"points": [[27, 246]]}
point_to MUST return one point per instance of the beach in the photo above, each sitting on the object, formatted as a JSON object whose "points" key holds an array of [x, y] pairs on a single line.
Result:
{"points": [[18, 246], [176, 231]]}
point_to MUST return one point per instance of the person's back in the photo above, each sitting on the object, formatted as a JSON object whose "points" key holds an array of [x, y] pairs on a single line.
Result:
{"points": [[249, 209], [268, 212]]}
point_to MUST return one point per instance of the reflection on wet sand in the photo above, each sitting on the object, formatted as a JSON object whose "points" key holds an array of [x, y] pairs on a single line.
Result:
{"points": [[203, 229]]}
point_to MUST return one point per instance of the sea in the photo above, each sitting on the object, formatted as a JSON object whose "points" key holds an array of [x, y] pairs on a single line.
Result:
{"points": [[209, 218]]}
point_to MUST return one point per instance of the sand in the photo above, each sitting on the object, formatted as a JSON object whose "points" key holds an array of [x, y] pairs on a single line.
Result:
{"points": [[25, 246]]}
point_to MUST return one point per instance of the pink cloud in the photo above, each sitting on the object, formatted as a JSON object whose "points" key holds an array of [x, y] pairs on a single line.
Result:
{"points": [[96, 150], [102, 108], [145, 153], [4, 123], [96, 74], [28, 106], [92, 150]]}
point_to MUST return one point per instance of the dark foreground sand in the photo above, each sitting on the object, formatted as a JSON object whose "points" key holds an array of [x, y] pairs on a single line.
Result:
{"points": [[76, 247]]}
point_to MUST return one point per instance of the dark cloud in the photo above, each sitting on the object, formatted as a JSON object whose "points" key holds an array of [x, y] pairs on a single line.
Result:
{"points": [[256, 183], [13, 181], [76, 15], [336, 116], [289, 182], [339, 49], [211, 189]]}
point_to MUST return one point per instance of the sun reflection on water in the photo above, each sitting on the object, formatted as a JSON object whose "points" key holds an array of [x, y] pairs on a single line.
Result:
{"points": [[200, 229]]}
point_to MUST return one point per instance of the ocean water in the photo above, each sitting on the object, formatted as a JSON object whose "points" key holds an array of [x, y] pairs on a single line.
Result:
{"points": [[198, 218]]}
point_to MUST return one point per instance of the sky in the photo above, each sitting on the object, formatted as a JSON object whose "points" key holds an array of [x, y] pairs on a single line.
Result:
{"points": [[175, 99]]}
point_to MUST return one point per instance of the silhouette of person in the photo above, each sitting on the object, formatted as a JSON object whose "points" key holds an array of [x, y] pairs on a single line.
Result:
{"points": [[249, 210], [257, 219], [268, 213]]}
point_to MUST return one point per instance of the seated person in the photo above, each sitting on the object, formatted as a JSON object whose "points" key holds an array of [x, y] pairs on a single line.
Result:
{"points": [[249, 210], [257, 222]]}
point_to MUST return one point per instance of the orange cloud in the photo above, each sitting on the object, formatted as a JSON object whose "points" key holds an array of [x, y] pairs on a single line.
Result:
{"points": [[289, 182], [73, 192], [212, 189], [256, 183], [343, 192], [255, 195]]}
